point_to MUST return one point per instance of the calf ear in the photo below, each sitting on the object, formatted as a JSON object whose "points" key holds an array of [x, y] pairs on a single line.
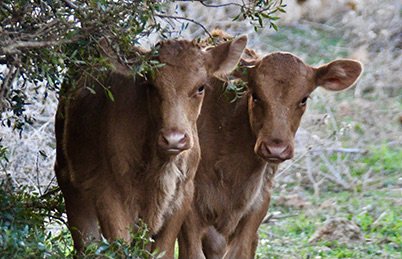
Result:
{"points": [[243, 68], [248, 60], [339, 74], [223, 59]]}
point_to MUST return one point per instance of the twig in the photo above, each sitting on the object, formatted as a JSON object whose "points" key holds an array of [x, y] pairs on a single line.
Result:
{"points": [[14, 48], [5, 87], [96, 80], [291, 164], [272, 216], [163, 16], [45, 28], [3, 5], [49, 193], [336, 177], [219, 5], [211, 5], [61, 219], [321, 26], [71, 4], [37, 174], [311, 177]]}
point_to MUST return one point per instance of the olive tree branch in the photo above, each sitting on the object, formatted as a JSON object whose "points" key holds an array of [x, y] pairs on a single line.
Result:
{"points": [[218, 5], [14, 48], [178, 18], [71, 4]]}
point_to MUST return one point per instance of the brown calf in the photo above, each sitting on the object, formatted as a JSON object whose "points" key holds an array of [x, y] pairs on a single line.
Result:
{"points": [[135, 157], [242, 144]]}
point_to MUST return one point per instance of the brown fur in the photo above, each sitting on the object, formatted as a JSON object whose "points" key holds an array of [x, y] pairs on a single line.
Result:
{"points": [[110, 164], [239, 149]]}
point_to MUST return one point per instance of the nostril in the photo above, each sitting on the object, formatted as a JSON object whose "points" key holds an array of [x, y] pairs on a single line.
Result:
{"points": [[183, 139], [264, 150], [287, 153], [164, 139]]}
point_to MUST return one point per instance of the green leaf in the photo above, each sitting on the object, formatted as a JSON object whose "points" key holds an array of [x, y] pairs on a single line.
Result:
{"points": [[91, 90], [101, 249], [260, 21], [42, 153], [109, 94], [273, 25], [280, 9], [236, 17]]}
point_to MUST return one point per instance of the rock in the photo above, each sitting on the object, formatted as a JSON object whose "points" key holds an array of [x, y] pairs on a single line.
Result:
{"points": [[338, 229]]}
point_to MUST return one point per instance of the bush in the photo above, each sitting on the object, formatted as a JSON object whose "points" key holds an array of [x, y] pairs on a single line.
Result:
{"points": [[33, 226], [23, 220]]}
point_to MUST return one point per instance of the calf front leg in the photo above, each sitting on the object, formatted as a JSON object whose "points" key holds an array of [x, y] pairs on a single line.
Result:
{"points": [[166, 238], [243, 243], [114, 218], [81, 214], [82, 220], [190, 237]]}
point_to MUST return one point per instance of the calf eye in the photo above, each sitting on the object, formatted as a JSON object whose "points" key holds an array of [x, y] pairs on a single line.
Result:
{"points": [[198, 92], [201, 90], [303, 101]]}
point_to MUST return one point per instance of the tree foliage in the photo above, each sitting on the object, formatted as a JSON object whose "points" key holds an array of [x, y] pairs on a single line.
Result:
{"points": [[22, 224], [40, 39]]}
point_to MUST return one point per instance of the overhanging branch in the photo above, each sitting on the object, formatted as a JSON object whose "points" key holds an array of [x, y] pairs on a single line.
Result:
{"points": [[15, 47], [178, 18]]}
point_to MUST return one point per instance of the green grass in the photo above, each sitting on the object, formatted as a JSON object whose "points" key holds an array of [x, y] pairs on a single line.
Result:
{"points": [[385, 159], [377, 211]]}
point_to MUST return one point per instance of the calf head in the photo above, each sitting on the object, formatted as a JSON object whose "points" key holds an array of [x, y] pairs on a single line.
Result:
{"points": [[279, 87], [177, 90]]}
